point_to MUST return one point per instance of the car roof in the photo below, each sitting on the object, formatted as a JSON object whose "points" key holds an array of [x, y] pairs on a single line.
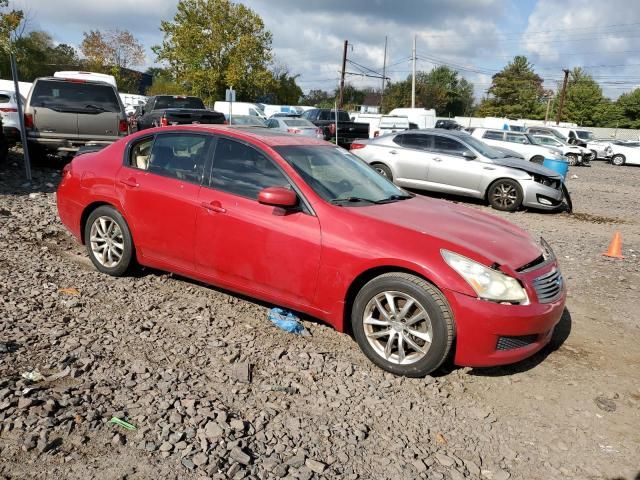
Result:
{"points": [[438, 131], [78, 81], [266, 136]]}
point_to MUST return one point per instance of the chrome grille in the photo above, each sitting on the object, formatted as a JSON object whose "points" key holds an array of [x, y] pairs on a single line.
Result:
{"points": [[548, 287]]}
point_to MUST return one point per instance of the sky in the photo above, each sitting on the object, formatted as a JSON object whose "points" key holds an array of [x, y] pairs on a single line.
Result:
{"points": [[476, 37]]}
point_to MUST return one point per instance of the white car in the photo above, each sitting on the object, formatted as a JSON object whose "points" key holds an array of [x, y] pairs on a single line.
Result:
{"points": [[518, 142], [624, 154], [573, 153], [9, 115]]}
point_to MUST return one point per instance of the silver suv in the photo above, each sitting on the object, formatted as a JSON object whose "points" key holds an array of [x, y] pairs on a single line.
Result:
{"points": [[62, 115]]}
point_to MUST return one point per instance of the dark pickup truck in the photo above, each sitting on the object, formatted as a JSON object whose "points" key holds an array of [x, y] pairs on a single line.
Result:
{"points": [[163, 110], [348, 131]]}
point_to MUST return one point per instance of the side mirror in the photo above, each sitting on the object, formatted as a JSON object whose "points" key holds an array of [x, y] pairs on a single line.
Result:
{"points": [[278, 197], [468, 155]]}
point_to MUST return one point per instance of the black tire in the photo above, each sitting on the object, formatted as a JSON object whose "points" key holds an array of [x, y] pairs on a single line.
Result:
{"points": [[572, 158], [539, 159], [126, 259], [505, 195], [427, 297], [594, 155], [383, 170], [618, 160]]}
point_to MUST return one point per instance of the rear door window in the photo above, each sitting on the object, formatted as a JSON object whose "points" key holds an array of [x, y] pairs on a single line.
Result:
{"points": [[77, 97], [179, 155], [416, 141], [515, 138]]}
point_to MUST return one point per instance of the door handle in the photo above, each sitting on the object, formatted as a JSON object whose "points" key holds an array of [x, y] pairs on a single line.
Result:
{"points": [[392, 152], [130, 182], [214, 206], [437, 159]]}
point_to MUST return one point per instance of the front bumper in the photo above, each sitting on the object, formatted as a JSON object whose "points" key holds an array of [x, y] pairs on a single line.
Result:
{"points": [[537, 195], [490, 334]]}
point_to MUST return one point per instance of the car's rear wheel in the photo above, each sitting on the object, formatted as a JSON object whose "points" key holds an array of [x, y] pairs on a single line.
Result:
{"points": [[108, 241], [539, 159], [572, 158], [403, 324], [505, 195], [383, 170], [618, 160]]}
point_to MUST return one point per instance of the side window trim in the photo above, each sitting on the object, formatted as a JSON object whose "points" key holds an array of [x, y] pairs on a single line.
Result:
{"points": [[126, 160], [444, 152], [306, 206]]}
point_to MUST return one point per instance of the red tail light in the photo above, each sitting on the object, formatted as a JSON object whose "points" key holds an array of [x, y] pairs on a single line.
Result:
{"points": [[123, 126], [332, 128], [356, 146], [28, 120], [294, 130], [164, 122], [8, 109]]}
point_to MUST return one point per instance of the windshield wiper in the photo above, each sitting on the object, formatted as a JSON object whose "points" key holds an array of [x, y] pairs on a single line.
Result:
{"points": [[339, 201], [96, 107], [394, 198]]}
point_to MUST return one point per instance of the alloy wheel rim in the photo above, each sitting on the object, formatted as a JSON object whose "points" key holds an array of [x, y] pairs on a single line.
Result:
{"points": [[572, 159], [397, 327], [381, 172], [505, 195], [107, 242], [617, 160]]}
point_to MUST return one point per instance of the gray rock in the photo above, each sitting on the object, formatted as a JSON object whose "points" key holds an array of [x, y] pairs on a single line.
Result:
{"points": [[445, 460], [315, 465], [200, 459], [188, 464], [240, 456], [213, 431]]}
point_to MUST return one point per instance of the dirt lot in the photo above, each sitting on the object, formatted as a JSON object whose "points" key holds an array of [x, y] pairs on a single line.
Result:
{"points": [[166, 354]]}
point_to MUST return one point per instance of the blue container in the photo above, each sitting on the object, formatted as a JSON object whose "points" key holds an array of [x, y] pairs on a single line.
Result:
{"points": [[560, 166]]}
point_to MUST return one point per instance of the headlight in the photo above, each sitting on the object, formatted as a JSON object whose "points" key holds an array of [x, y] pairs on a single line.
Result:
{"points": [[488, 284]]}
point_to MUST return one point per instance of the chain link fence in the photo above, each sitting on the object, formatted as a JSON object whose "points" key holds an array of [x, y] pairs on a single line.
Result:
{"points": [[615, 133]]}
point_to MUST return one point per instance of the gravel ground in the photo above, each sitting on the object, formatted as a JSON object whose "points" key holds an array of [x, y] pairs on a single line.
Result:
{"points": [[171, 356]]}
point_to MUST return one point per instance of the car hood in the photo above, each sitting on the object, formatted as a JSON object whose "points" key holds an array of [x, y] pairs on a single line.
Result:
{"points": [[478, 235], [525, 165]]}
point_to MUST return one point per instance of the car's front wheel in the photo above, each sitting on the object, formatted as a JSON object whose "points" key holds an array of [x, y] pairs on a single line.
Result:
{"points": [[618, 160], [108, 241], [505, 195], [383, 170], [403, 324], [572, 158]]}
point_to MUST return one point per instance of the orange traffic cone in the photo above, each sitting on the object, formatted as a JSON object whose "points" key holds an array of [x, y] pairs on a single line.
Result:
{"points": [[615, 247]]}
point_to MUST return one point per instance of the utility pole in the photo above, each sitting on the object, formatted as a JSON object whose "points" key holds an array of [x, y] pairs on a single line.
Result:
{"points": [[546, 115], [344, 65], [384, 72], [562, 94], [413, 77]]}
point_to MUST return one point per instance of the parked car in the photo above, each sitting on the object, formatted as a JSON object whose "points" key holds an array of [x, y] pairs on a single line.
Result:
{"points": [[570, 135], [239, 108], [163, 110], [575, 155], [348, 131], [458, 163], [601, 148], [624, 155], [300, 126], [247, 120], [518, 142], [63, 114], [300, 223], [9, 116], [448, 124]]}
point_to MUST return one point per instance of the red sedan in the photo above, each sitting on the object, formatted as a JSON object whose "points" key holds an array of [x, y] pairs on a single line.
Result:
{"points": [[306, 225]]}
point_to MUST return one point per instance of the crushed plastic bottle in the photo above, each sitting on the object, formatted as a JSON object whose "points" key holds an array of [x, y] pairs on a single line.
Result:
{"points": [[287, 321]]}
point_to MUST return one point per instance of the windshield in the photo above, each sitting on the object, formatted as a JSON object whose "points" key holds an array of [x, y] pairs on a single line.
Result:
{"points": [[482, 148], [178, 102], [298, 122], [74, 96], [546, 140], [340, 177], [585, 135]]}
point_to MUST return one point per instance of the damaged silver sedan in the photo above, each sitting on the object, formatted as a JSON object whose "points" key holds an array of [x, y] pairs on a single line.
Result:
{"points": [[457, 163]]}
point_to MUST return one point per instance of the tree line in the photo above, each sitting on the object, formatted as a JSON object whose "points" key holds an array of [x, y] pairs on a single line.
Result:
{"points": [[210, 45]]}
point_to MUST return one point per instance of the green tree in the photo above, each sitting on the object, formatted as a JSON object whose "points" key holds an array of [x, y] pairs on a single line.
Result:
{"points": [[10, 20], [608, 114], [516, 92], [629, 105], [318, 98], [441, 89], [213, 44]]}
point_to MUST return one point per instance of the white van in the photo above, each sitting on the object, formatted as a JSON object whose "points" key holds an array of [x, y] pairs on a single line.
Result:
{"points": [[89, 76], [422, 117], [498, 123], [239, 108]]}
